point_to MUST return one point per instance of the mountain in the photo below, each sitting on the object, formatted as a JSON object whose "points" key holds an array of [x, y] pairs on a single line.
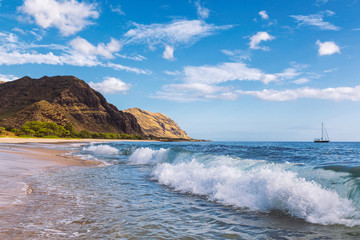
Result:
{"points": [[62, 99], [157, 124]]}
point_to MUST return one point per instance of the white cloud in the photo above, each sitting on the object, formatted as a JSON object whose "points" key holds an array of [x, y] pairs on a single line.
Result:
{"points": [[207, 82], [173, 73], [129, 69], [179, 32], [316, 20], [16, 29], [188, 92], [225, 72], [321, 2], [330, 70], [327, 48], [82, 46], [335, 94], [137, 58], [301, 81], [202, 11], [111, 85], [69, 16], [7, 78], [168, 53], [256, 39], [118, 10], [14, 52], [264, 15], [236, 55]]}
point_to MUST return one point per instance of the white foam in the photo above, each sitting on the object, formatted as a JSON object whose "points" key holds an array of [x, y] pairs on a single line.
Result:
{"points": [[146, 155], [260, 187], [102, 149]]}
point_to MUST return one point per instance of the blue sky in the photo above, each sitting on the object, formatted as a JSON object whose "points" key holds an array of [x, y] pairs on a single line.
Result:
{"points": [[223, 70]]}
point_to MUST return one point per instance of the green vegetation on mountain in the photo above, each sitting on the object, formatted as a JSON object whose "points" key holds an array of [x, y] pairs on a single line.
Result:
{"points": [[53, 130]]}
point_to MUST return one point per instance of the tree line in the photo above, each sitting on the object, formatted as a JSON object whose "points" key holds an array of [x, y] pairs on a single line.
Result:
{"points": [[53, 130]]}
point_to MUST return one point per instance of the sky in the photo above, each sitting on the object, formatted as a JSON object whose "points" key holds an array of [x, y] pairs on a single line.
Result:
{"points": [[244, 70]]}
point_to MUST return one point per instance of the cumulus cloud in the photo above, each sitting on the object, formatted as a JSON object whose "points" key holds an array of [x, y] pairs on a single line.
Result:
{"points": [[14, 52], [207, 82], [316, 20], [111, 85], [327, 48], [259, 37], [225, 72], [264, 15], [179, 31], [202, 11], [168, 53], [69, 16], [82, 46], [176, 33], [335, 94], [7, 78]]}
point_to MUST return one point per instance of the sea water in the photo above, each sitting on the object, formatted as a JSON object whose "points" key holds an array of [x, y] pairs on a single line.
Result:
{"points": [[210, 190]]}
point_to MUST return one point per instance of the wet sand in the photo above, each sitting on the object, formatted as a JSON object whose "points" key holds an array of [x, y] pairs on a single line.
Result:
{"points": [[18, 162]]}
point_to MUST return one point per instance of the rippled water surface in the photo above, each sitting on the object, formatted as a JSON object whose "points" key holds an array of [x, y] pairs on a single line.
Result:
{"points": [[218, 190]]}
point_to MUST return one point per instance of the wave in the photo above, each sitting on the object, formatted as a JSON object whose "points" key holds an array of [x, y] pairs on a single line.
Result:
{"points": [[102, 150], [251, 184], [147, 156]]}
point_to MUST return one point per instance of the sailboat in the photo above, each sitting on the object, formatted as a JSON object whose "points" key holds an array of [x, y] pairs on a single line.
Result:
{"points": [[323, 139]]}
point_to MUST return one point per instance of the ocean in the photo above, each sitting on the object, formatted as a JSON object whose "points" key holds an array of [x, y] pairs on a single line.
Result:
{"points": [[195, 190]]}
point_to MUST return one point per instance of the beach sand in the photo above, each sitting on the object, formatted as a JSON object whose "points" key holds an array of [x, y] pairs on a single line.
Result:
{"points": [[18, 160]]}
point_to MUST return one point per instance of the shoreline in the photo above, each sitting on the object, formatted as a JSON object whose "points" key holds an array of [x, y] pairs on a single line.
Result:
{"points": [[64, 140], [19, 160]]}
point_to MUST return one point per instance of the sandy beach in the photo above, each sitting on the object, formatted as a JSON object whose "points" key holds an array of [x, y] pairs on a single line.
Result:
{"points": [[18, 160]]}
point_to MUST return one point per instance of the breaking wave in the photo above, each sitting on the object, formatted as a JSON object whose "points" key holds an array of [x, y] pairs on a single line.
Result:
{"points": [[254, 184], [102, 150], [147, 156]]}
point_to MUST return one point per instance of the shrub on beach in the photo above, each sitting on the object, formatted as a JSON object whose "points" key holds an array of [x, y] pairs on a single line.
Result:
{"points": [[44, 129]]}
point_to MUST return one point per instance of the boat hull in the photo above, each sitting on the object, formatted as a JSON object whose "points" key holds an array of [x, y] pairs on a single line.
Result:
{"points": [[321, 141]]}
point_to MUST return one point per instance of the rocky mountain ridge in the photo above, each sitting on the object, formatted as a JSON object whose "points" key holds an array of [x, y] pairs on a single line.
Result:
{"points": [[67, 99], [62, 99], [157, 124]]}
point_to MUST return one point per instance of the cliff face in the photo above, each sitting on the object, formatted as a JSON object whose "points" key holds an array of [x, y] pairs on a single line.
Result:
{"points": [[62, 99], [157, 124]]}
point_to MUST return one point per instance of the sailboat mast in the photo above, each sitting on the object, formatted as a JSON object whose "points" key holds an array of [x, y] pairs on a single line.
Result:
{"points": [[322, 131]]}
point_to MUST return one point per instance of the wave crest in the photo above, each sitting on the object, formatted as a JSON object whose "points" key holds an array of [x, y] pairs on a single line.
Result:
{"points": [[263, 187], [102, 150], [145, 155]]}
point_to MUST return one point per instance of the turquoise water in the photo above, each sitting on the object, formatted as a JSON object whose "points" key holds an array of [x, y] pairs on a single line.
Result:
{"points": [[216, 190]]}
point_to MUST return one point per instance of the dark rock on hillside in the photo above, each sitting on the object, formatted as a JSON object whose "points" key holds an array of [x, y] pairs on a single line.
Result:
{"points": [[62, 99]]}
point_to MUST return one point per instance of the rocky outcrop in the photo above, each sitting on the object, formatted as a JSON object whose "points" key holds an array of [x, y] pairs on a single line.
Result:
{"points": [[62, 99], [157, 124]]}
